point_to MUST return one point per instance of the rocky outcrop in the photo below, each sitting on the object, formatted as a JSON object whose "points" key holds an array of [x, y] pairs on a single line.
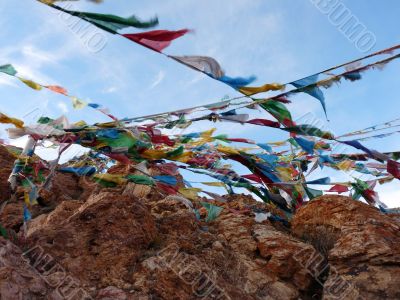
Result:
{"points": [[64, 187], [118, 246], [100, 241], [6, 165], [121, 247], [361, 243], [18, 280], [137, 242]]}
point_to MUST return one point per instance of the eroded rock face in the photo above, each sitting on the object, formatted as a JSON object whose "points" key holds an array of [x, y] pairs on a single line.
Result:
{"points": [[64, 187], [117, 246], [11, 214], [131, 243], [17, 279], [266, 257], [6, 165], [100, 242], [363, 247]]}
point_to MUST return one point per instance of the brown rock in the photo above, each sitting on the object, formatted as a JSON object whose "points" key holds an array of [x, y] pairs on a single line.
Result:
{"points": [[100, 243], [112, 293], [134, 243], [186, 251], [57, 217], [11, 215], [237, 230], [6, 165], [363, 247], [64, 187], [17, 279], [280, 250]]}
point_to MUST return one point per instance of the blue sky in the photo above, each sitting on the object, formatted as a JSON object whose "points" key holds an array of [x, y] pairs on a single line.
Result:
{"points": [[276, 40]]}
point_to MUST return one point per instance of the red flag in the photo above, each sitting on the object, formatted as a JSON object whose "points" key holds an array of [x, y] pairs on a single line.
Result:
{"points": [[264, 122], [240, 140], [162, 139], [167, 188], [337, 188], [156, 40], [371, 196], [253, 178], [167, 169], [122, 158], [282, 99], [201, 161], [57, 89], [393, 168]]}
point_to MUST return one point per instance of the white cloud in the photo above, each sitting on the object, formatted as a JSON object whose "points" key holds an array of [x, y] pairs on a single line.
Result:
{"points": [[158, 79], [389, 193], [20, 142], [38, 56], [6, 80], [110, 89], [63, 107]]}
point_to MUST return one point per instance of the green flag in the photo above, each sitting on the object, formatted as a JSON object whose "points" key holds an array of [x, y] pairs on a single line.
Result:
{"points": [[140, 179], [310, 131], [8, 69], [110, 23], [213, 211], [278, 110]]}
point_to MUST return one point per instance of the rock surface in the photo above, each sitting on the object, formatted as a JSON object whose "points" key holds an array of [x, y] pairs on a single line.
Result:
{"points": [[363, 247], [6, 165], [90, 242]]}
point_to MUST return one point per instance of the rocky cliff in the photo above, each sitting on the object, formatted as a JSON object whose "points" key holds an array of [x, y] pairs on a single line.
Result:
{"points": [[134, 242]]}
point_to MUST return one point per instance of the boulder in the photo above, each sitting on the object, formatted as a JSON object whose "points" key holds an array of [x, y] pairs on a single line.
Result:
{"points": [[362, 246]]}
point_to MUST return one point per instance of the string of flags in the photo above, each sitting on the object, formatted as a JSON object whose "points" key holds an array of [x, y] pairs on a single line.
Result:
{"points": [[77, 103], [201, 153], [158, 40], [155, 158], [274, 105]]}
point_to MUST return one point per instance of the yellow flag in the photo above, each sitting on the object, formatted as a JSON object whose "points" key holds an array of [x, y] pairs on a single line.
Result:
{"points": [[26, 199], [78, 103], [227, 150], [284, 173], [7, 120], [31, 84], [327, 83], [219, 184], [190, 193], [48, 1], [248, 91], [115, 178], [80, 124], [184, 157], [345, 165], [154, 154], [206, 137], [208, 133], [282, 143]]}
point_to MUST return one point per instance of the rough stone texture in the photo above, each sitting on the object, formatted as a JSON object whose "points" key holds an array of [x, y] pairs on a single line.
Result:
{"points": [[11, 214], [64, 187], [100, 242], [6, 164], [127, 243], [121, 247], [280, 250], [363, 247], [17, 279], [225, 251]]}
